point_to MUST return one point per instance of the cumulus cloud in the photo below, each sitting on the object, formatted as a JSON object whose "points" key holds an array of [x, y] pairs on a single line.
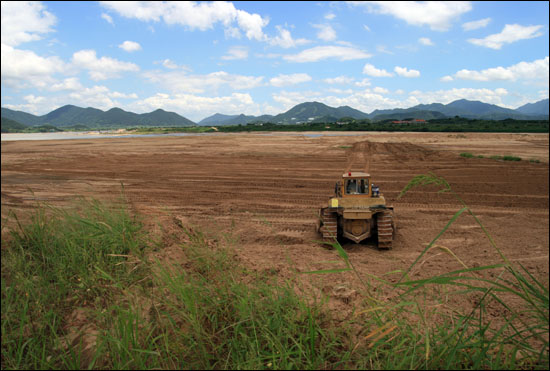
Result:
{"points": [[101, 68], [509, 34], [178, 81], [201, 16], [318, 53], [235, 53], [474, 25], [130, 46], [366, 100], [197, 107], [108, 18], [284, 39], [24, 68], [438, 15], [339, 80], [370, 70], [447, 96], [425, 41], [403, 71], [528, 71], [69, 84], [292, 79], [24, 21], [326, 32]]}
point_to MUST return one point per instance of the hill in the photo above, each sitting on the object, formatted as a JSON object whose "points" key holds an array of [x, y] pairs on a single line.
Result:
{"points": [[11, 126], [73, 116], [538, 108], [465, 108], [312, 111], [219, 119]]}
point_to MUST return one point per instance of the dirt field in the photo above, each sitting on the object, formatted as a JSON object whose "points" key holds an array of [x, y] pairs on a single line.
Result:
{"points": [[260, 193]]}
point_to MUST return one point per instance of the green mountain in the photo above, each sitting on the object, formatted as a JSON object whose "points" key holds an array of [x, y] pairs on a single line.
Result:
{"points": [[73, 116], [11, 126], [21, 117], [538, 108], [462, 108], [216, 119], [220, 119], [313, 111]]}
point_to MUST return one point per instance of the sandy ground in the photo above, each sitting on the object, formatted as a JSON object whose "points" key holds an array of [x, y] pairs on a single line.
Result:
{"points": [[260, 194]]}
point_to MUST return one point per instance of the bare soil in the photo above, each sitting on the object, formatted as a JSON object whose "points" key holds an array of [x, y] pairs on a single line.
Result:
{"points": [[260, 193]]}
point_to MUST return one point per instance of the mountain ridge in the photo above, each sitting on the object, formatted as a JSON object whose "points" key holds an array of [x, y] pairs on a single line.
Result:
{"points": [[70, 115]]}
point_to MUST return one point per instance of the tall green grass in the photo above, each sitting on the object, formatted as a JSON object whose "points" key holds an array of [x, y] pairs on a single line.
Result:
{"points": [[80, 289], [58, 261]]}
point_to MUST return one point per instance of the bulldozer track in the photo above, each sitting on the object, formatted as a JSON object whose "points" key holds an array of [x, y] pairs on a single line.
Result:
{"points": [[329, 225], [385, 229]]}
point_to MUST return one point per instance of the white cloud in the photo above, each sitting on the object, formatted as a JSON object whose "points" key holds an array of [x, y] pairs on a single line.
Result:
{"points": [[236, 53], [370, 70], [509, 34], [201, 16], [24, 21], [446, 79], [367, 28], [70, 84], [178, 81], [169, 64], [339, 91], [31, 99], [196, 107], [380, 90], [425, 41], [284, 39], [292, 79], [24, 68], [318, 53], [130, 46], [116, 94], [102, 68], [366, 100], [438, 15], [339, 80], [326, 32], [330, 16], [108, 18], [403, 71], [448, 96], [364, 82], [474, 25], [529, 71], [382, 49]]}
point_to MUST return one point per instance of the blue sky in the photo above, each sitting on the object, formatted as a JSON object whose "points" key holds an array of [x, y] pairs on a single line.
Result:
{"points": [[200, 58]]}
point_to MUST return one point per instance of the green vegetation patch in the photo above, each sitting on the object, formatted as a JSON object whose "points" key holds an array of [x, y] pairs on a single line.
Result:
{"points": [[506, 158], [83, 289]]}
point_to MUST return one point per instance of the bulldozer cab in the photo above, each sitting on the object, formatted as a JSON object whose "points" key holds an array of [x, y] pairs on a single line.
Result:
{"points": [[355, 184]]}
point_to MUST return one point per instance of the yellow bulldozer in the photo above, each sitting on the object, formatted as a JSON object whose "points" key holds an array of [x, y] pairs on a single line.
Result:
{"points": [[357, 211]]}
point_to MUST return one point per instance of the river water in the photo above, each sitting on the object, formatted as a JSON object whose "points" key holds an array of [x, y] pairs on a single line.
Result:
{"points": [[99, 135]]}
